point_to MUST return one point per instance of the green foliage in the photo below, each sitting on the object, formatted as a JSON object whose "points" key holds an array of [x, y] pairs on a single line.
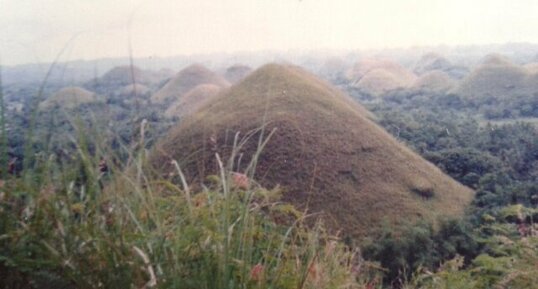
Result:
{"points": [[420, 246], [518, 271], [76, 228]]}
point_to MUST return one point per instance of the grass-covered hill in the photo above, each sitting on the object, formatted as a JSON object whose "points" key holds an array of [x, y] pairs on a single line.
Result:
{"points": [[434, 61], [192, 100], [128, 81], [434, 80], [375, 77], [69, 98], [323, 150], [498, 77], [185, 80]]}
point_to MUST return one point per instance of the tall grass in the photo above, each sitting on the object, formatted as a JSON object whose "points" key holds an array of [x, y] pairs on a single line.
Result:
{"points": [[128, 227], [3, 132]]}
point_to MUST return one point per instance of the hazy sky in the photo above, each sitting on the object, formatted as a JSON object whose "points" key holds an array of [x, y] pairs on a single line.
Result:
{"points": [[36, 30]]}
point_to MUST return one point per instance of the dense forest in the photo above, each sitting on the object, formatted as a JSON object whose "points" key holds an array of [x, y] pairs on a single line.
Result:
{"points": [[498, 159]]}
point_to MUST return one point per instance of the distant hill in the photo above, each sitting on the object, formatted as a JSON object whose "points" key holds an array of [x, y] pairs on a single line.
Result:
{"points": [[376, 77], [69, 98], [498, 77], [186, 80], [237, 72], [120, 77], [123, 75], [325, 153], [436, 62], [191, 101], [435, 80]]}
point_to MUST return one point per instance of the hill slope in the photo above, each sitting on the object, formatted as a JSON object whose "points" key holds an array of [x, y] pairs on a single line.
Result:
{"points": [[191, 101], [325, 153], [186, 80]]}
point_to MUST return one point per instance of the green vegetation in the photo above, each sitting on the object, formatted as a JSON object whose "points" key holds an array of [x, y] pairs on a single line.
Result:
{"points": [[86, 223], [495, 245]]}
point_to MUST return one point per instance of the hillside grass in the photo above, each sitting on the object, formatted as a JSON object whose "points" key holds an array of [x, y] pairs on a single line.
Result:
{"points": [[77, 225]]}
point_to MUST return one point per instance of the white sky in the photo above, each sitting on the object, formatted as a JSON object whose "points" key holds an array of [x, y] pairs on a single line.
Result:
{"points": [[36, 30]]}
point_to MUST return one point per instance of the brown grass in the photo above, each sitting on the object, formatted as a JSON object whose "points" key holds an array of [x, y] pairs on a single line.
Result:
{"points": [[186, 80], [326, 153]]}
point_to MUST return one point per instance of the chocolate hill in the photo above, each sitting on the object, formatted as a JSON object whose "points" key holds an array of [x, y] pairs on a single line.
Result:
{"points": [[191, 101], [186, 80], [325, 153], [69, 98], [436, 62], [435, 80], [497, 76], [123, 76], [375, 77]]}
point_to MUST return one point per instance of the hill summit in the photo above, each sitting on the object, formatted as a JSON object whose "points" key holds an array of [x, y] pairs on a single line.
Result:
{"points": [[325, 153]]}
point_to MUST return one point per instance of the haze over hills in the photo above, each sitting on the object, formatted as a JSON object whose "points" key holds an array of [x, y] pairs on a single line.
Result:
{"points": [[120, 77], [80, 71], [132, 90], [185, 80], [325, 153], [436, 62], [434, 80], [237, 72]]}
